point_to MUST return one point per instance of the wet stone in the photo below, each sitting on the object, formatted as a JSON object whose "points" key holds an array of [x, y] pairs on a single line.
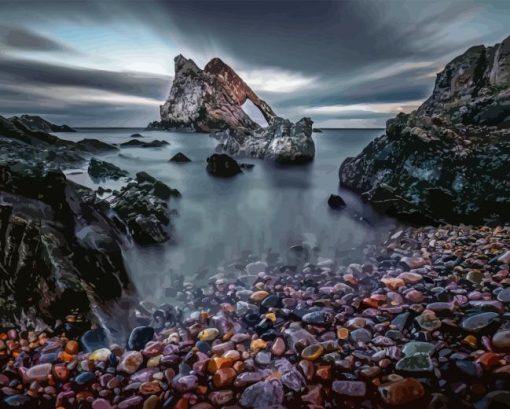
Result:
{"points": [[417, 362], [350, 388], [139, 337], [501, 341], [318, 318], [480, 322], [402, 392], [361, 335], [417, 347], [504, 296]]}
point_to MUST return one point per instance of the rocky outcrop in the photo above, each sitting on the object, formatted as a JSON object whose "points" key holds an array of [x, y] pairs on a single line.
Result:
{"points": [[99, 169], [36, 123], [282, 141], [449, 159], [51, 232], [136, 143], [208, 100], [142, 205]]}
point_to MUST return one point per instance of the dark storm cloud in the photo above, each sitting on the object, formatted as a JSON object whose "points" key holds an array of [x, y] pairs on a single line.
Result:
{"points": [[37, 73], [20, 38], [346, 47]]}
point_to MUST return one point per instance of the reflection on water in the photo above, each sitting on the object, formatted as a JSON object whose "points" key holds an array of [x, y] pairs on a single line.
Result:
{"points": [[265, 210]]}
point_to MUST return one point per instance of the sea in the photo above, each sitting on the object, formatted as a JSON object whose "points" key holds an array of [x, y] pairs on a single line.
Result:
{"points": [[267, 213]]}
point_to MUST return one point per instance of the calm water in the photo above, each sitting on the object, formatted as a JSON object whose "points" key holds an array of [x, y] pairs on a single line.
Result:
{"points": [[265, 210]]}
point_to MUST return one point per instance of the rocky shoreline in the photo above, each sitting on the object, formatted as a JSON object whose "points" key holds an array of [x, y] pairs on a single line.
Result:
{"points": [[423, 321]]}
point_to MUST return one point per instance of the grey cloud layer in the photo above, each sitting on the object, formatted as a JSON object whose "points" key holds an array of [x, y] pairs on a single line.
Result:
{"points": [[341, 43]]}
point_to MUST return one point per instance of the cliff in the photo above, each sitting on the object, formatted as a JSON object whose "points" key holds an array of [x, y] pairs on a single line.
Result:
{"points": [[447, 161]]}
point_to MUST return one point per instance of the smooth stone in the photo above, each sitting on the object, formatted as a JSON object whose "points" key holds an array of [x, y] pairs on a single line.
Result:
{"points": [[504, 295], [209, 334], [131, 402], [415, 363], [94, 339], [418, 347], [16, 401], [263, 358], [264, 394], [101, 404], [84, 378], [130, 362], [428, 322], [402, 392], [479, 322], [100, 355], [39, 372], [313, 352], [361, 335], [318, 318], [350, 388], [505, 258], [139, 337], [501, 341], [494, 400]]}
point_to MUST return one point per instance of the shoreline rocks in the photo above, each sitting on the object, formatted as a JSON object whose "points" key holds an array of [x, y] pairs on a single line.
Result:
{"points": [[447, 161], [282, 142], [222, 165]]}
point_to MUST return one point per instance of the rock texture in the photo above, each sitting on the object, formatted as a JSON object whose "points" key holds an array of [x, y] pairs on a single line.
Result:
{"points": [[208, 100], [51, 232], [211, 100], [449, 159], [282, 141], [36, 123]]}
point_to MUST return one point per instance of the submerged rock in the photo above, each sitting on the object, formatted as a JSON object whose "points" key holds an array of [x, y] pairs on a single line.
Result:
{"points": [[99, 169], [336, 202], [180, 158], [222, 165]]}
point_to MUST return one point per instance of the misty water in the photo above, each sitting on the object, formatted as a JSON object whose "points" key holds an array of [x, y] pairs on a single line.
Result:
{"points": [[265, 210]]}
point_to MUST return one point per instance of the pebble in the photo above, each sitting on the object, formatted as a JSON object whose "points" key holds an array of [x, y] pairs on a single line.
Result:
{"points": [[424, 320]]}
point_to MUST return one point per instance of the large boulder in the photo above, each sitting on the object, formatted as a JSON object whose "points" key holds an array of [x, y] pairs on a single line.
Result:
{"points": [[282, 141], [142, 205], [222, 165], [208, 100], [447, 161]]}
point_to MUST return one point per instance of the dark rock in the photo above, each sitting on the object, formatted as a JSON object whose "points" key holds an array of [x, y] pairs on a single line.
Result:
{"points": [[53, 231], [446, 161], [139, 337], [102, 170], [140, 144], [95, 146], [94, 339], [36, 123], [136, 135], [336, 202], [180, 158], [222, 165]]}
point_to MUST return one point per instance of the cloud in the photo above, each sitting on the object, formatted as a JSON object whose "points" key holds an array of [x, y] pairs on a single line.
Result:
{"points": [[16, 70], [332, 57], [20, 38]]}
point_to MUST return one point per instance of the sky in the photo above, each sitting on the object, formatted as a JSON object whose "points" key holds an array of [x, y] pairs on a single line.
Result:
{"points": [[350, 64]]}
